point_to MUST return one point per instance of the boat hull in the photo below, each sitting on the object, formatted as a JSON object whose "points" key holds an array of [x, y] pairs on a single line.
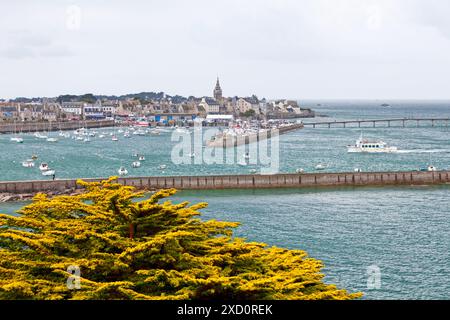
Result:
{"points": [[373, 150]]}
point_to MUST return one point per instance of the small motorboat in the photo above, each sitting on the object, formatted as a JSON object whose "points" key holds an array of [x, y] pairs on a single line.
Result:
{"points": [[86, 139], [321, 167], [155, 132], [17, 139], [126, 135], [41, 136], [122, 171], [48, 172], [136, 164], [243, 163], [247, 156], [358, 170], [34, 157], [28, 163], [300, 171], [162, 167], [114, 138], [141, 158], [192, 155], [432, 168], [44, 167], [253, 171], [101, 136], [52, 140]]}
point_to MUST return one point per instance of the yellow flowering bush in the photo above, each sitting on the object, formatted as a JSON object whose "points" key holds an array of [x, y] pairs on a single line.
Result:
{"points": [[128, 248]]}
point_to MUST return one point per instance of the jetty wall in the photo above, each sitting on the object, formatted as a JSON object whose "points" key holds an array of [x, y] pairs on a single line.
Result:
{"points": [[53, 126], [234, 141], [243, 181]]}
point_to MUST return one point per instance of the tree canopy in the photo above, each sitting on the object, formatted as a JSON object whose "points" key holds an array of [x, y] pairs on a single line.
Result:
{"points": [[131, 245]]}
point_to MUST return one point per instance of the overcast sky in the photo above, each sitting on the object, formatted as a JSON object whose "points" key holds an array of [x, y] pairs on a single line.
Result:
{"points": [[384, 49]]}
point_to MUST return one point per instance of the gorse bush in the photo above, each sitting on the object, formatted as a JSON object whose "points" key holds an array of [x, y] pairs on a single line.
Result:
{"points": [[129, 248]]}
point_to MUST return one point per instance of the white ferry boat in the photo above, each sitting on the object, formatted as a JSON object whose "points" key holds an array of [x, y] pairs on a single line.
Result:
{"points": [[366, 146]]}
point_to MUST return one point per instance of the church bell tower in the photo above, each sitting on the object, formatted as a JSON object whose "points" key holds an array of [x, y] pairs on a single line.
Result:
{"points": [[218, 91]]}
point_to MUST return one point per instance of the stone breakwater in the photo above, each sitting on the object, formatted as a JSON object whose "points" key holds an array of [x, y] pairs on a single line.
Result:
{"points": [[10, 190], [229, 141]]}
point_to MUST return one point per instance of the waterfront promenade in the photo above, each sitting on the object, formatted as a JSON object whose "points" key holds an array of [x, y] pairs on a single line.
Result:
{"points": [[52, 126], [242, 181]]}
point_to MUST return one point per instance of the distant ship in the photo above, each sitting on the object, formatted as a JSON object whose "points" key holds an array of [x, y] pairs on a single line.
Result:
{"points": [[366, 146], [386, 105]]}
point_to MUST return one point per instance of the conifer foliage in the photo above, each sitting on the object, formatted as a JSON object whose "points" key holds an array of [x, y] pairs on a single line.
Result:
{"points": [[127, 245]]}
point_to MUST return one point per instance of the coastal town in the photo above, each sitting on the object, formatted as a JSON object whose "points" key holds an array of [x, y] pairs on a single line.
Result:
{"points": [[156, 108]]}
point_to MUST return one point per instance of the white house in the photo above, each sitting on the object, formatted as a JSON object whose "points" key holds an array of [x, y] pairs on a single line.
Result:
{"points": [[210, 105]]}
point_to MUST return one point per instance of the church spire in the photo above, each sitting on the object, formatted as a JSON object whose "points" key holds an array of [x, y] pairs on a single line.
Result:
{"points": [[218, 91]]}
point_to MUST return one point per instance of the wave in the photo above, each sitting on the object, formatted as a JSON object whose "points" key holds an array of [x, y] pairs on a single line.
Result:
{"points": [[425, 151]]}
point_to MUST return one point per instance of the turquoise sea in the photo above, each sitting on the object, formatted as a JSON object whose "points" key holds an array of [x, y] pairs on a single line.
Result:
{"points": [[300, 149], [401, 230]]}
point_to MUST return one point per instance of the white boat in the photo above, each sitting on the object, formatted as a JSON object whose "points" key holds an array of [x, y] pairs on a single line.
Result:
{"points": [[122, 171], [41, 136], [141, 158], [101, 136], [86, 139], [79, 138], [182, 131], [136, 164], [52, 140], [247, 156], [43, 166], [253, 171], [358, 170], [28, 163], [126, 134], [300, 171], [192, 154], [366, 146], [155, 132], [162, 167], [17, 139], [114, 138], [48, 172], [321, 167], [432, 168], [139, 132], [243, 163]]}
